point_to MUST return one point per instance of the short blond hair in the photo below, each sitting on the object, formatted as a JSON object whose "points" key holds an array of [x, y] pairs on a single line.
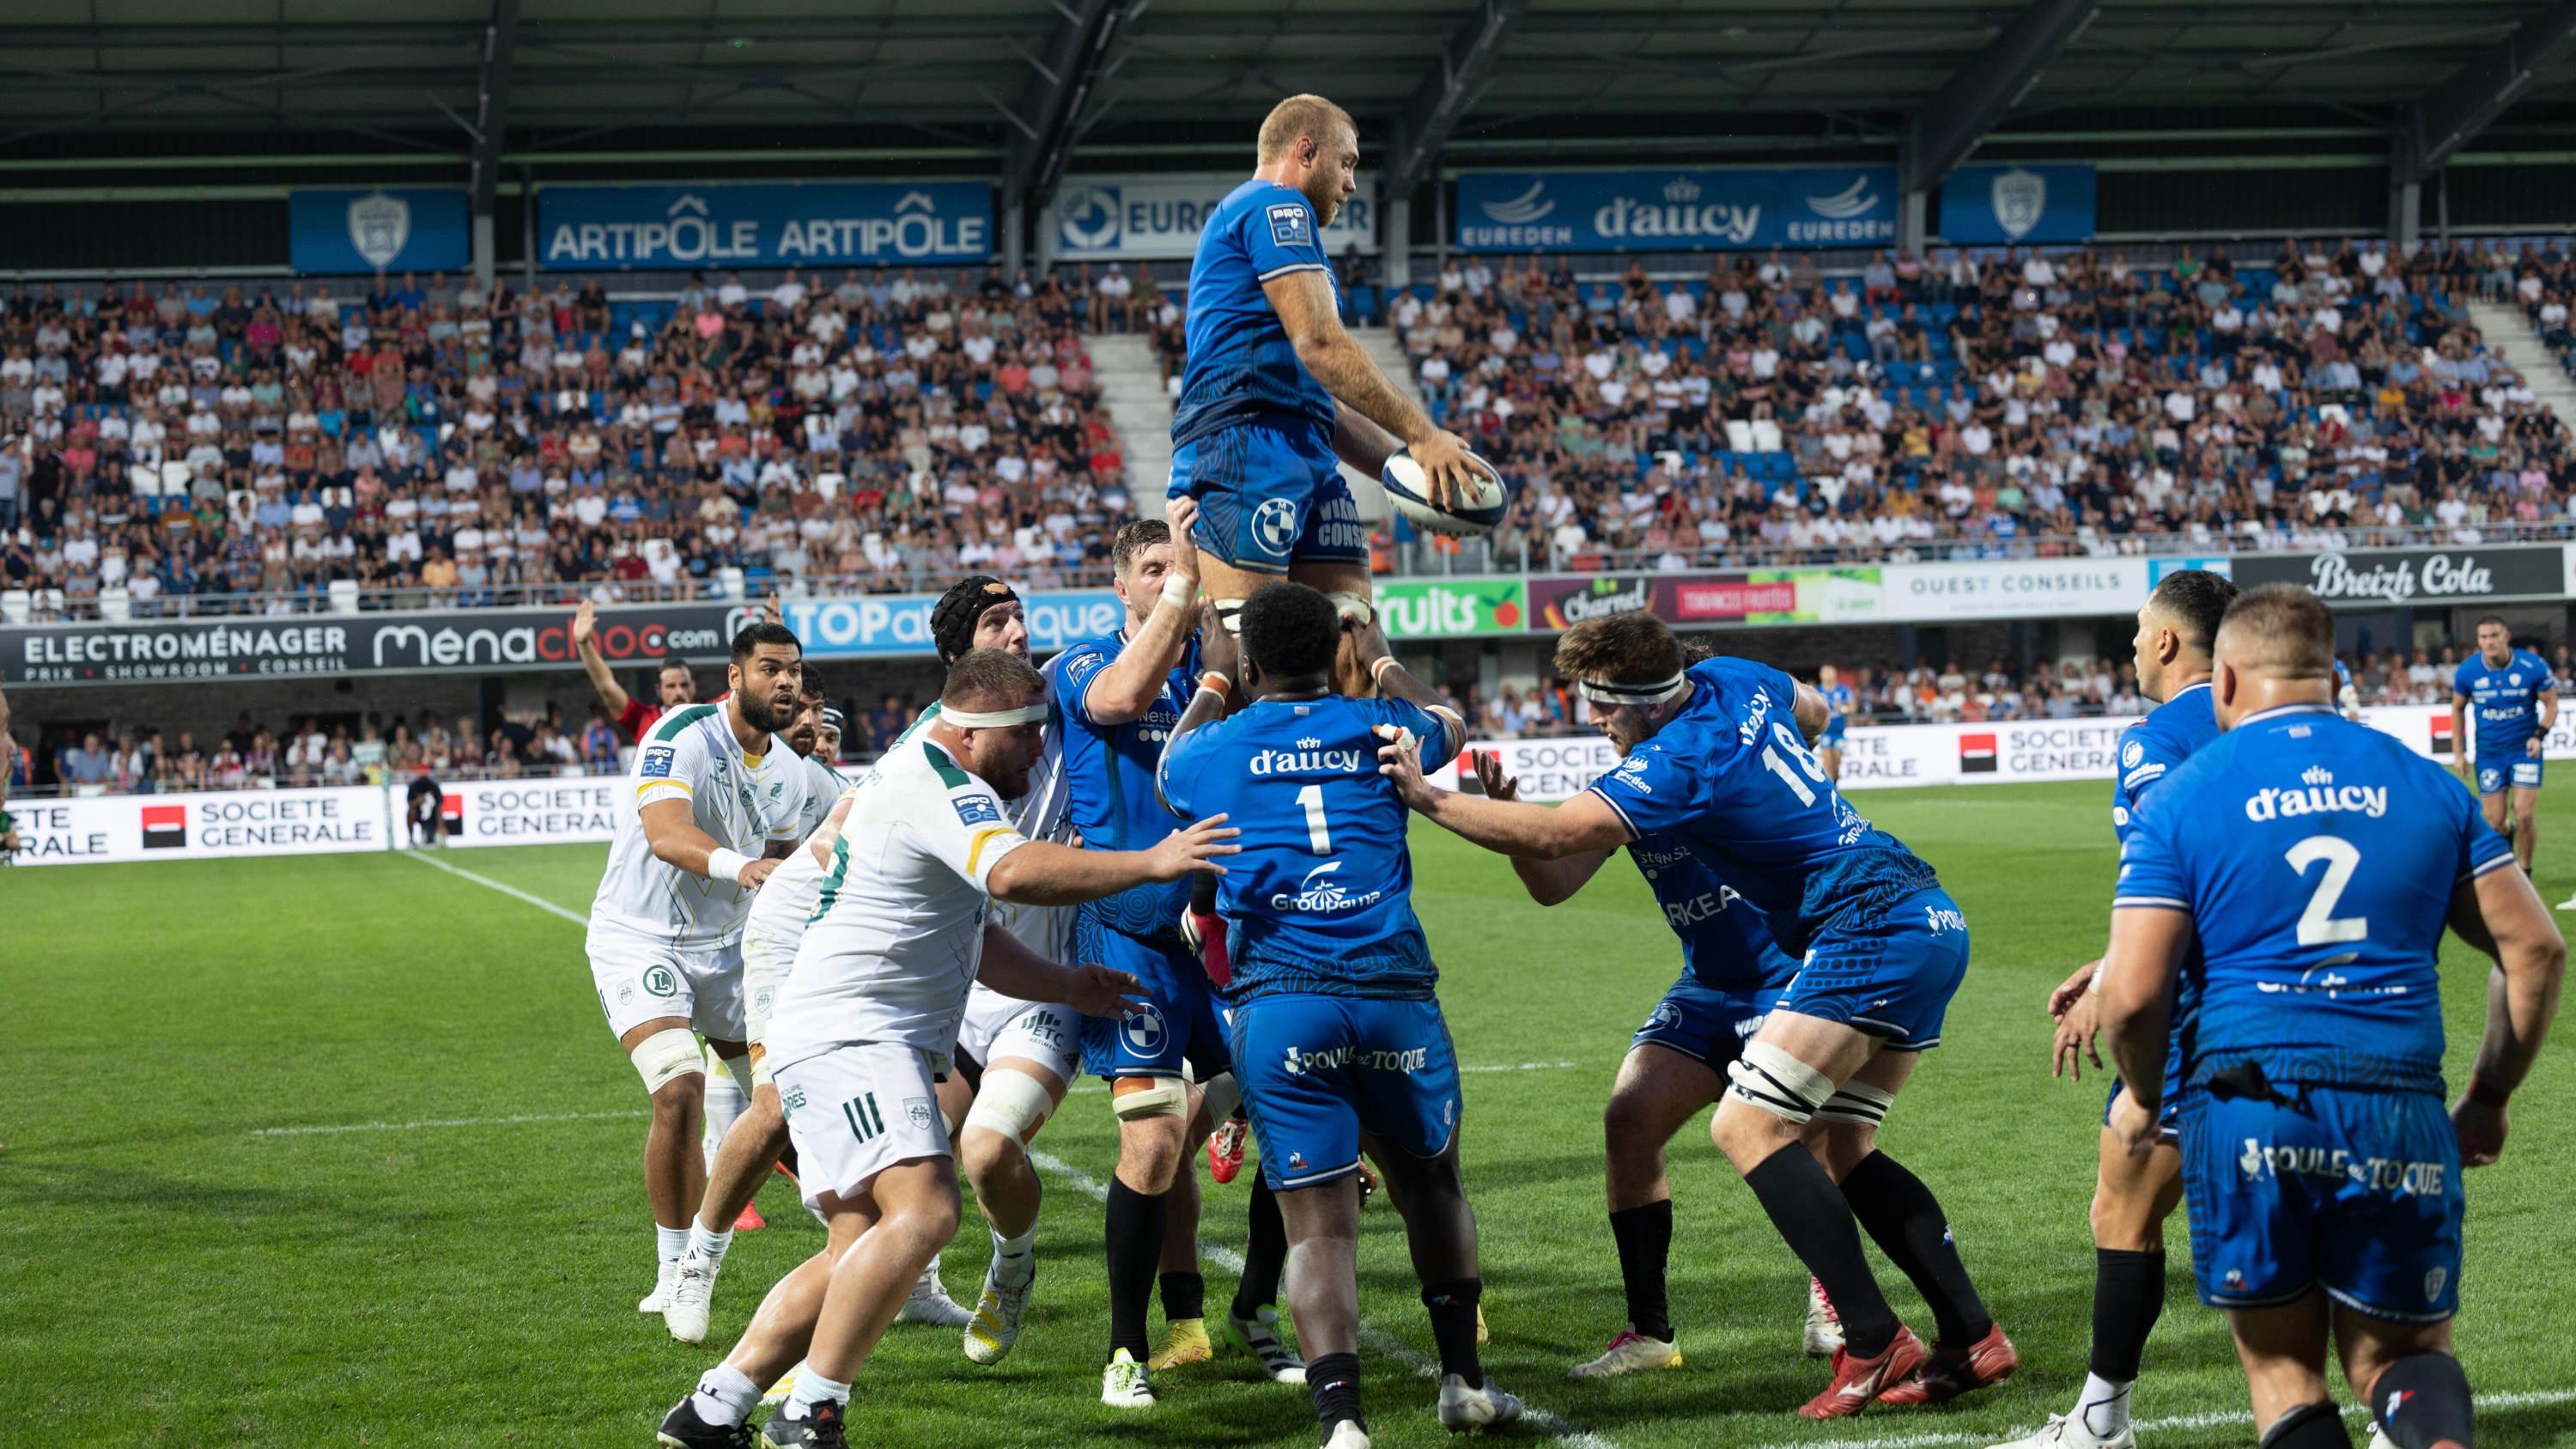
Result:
{"points": [[1300, 116]]}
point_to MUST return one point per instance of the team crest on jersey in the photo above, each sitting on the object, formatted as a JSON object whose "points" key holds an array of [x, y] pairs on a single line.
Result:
{"points": [[976, 809], [657, 762], [1288, 225], [2131, 753], [918, 1112]]}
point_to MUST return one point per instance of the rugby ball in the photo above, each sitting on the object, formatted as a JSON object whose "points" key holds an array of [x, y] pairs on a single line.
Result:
{"points": [[1408, 491]]}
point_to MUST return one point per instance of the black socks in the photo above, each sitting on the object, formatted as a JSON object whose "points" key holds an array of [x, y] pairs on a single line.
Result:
{"points": [[1816, 1220], [2423, 1400], [1453, 1326], [1905, 1220], [1645, 1238], [1264, 1254], [1184, 1296], [1334, 1380], [2128, 1297], [2309, 1426], [1135, 1243]]}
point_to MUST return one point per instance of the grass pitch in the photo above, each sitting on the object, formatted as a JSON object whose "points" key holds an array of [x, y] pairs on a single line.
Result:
{"points": [[336, 1150]]}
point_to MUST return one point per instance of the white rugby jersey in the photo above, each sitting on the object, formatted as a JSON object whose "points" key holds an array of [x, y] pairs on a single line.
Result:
{"points": [[742, 800], [898, 933]]}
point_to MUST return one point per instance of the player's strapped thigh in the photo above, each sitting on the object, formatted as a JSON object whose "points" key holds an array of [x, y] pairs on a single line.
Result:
{"points": [[854, 1111]]}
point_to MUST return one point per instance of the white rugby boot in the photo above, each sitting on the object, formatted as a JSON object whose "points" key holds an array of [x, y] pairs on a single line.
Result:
{"points": [[692, 1297], [663, 1276], [1463, 1408], [1630, 1352], [1124, 1384], [2067, 1431], [1347, 1434], [931, 1304], [995, 1324], [1259, 1337]]}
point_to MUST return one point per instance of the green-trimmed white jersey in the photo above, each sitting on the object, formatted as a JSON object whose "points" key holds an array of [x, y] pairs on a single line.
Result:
{"points": [[743, 801]]}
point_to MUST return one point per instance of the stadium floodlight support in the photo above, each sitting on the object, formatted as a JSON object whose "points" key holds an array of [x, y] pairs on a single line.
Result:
{"points": [[1049, 118], [2465, 103], [1976, 97], [491, 123], [1433, 110]]}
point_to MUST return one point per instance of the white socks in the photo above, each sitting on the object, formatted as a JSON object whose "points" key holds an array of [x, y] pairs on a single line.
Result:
{"points": [[670, 1243], [811, 1389], [710, 1246], [725, 1102], [725, 1394], [1015, 1260], [2104, 1409]]}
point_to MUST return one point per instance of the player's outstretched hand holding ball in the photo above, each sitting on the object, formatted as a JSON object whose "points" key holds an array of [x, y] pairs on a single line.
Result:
{"points": [[2481, 1127], [1102, 991], [1193, 849]]}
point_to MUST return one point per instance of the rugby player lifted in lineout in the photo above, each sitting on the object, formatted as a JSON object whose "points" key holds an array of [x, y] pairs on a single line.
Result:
{"points": [[1275, 389]]}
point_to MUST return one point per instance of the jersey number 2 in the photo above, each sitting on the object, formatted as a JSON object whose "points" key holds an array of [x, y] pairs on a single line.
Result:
{"points": [[2318, 924], [1319, 837], [1797, 749]]}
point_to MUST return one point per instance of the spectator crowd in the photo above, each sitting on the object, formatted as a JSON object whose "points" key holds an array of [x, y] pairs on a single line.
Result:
{"points": [[203, 448]]}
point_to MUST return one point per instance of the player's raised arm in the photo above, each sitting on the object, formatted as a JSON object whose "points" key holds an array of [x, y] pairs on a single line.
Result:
{"points": [[603, 680], [1156, 575], [1307, 312], [1394, 681], [2499, 913], [1361, 443]]}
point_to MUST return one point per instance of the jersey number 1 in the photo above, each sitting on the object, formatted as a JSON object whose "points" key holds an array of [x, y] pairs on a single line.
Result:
{"points": [[1319, 838]]}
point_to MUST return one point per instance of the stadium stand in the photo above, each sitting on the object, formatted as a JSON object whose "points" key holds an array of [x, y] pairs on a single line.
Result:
{"points": [[241, 451]]}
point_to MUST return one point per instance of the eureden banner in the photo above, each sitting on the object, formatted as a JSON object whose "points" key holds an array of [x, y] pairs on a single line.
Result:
{"points": [[1676, 209]]}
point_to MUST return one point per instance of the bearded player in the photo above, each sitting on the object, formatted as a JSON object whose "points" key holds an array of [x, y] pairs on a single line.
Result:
{"points": [[1275, 390], [711, 793]]}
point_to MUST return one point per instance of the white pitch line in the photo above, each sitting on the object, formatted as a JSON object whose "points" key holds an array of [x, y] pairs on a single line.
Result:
{"points": [[1094, 1084], [319, 1131], [2143, 1426], [540, 902], [1378, 1339]]}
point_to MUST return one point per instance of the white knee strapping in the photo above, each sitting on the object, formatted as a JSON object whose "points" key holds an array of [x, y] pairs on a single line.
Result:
{"points": [[1011, 1103], [1857, 1102], [1229, 612], [665, 1057], [1168, 1097], [1354, 607], [1778, 1083], [1223, 1094]]}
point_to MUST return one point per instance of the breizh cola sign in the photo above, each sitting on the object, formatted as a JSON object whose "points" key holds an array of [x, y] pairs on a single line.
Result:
{"points": [[2413, 575]]}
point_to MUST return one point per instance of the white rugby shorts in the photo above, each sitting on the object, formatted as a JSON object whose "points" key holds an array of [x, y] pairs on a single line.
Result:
{"points": [[639, 978], [854, 1111], [997, 1026]]}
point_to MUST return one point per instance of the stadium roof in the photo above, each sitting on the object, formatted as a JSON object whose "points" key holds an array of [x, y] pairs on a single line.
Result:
{"points": [[975, 84]]}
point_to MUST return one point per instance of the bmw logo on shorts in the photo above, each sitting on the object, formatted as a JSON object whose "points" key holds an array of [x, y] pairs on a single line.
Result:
{"points": [[1274, 525], [1144, 1031]]}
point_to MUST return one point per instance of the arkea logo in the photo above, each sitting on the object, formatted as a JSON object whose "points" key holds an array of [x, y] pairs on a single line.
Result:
{"points": [[165, 827], [1977, 754]]}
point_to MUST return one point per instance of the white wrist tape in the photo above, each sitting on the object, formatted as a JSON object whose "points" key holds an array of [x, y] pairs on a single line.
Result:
{"points": [[726, 865], [993, 719], [1379, 667], [1179, 592]]}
